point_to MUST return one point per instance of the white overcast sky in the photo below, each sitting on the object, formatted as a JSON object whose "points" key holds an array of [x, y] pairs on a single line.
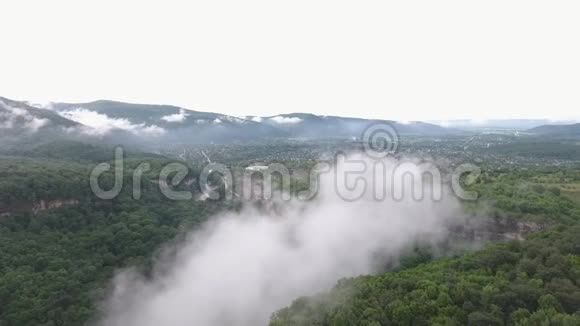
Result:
{"points": [[404, 60]]}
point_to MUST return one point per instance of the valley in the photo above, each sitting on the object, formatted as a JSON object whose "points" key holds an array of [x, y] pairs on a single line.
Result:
{"points": [[510, 256]]}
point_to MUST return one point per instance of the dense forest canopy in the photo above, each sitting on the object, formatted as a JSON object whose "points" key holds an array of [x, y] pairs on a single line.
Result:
{"points": [[56, 262], [534, 282]]}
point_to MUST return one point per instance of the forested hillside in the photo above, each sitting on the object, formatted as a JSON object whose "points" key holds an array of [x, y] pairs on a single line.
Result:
{"points": [[530, 282], [55, 264], [548, 195], [60, 245], [534, 282], [561, 130]]}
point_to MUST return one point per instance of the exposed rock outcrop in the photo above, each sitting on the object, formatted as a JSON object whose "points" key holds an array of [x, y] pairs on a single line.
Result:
{"points": [[496, 229], [34, 207]]}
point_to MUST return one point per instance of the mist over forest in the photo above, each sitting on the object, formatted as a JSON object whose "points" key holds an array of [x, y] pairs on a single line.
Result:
{"points": [[391, 208], [303, 163]]}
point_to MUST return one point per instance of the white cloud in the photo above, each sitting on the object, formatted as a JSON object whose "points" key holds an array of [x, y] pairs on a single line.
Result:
{"points": [[286, 120], [41, 105], [252, 118], [232, 119], [257, 119], [241, 267], [102, 124], [177, 117], [217, 121], [34, 124], [11, 118], [152, 130]]}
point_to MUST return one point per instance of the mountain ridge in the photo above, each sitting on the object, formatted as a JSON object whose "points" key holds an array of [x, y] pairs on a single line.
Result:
{"points": [[559, 130], [173, 124]]}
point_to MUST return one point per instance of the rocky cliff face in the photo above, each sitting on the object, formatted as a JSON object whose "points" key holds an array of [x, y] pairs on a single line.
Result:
{"points": [[35, 207], [42, 205], [495, 229]]}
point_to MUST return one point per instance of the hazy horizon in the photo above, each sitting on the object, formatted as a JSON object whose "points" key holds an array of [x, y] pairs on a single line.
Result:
{"points": [[472, 121]]}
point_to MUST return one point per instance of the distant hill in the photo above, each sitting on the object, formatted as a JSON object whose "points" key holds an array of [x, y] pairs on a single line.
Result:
{"points": [[310, 125], [187, 125], [166, 115], [22, 125], [16, 114], [169, 123], [513, 124], [112, 122], [557, 130]]}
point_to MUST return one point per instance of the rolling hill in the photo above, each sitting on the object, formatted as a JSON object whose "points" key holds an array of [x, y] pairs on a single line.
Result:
{"points": [[168, 123], [18, 115], [508, 124], [183, 124], [557, 130], [316, 126], [21, 124], [150, 125]]}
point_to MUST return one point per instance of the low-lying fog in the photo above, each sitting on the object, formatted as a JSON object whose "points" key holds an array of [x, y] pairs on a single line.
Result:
{"points": [[241, 267]]}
